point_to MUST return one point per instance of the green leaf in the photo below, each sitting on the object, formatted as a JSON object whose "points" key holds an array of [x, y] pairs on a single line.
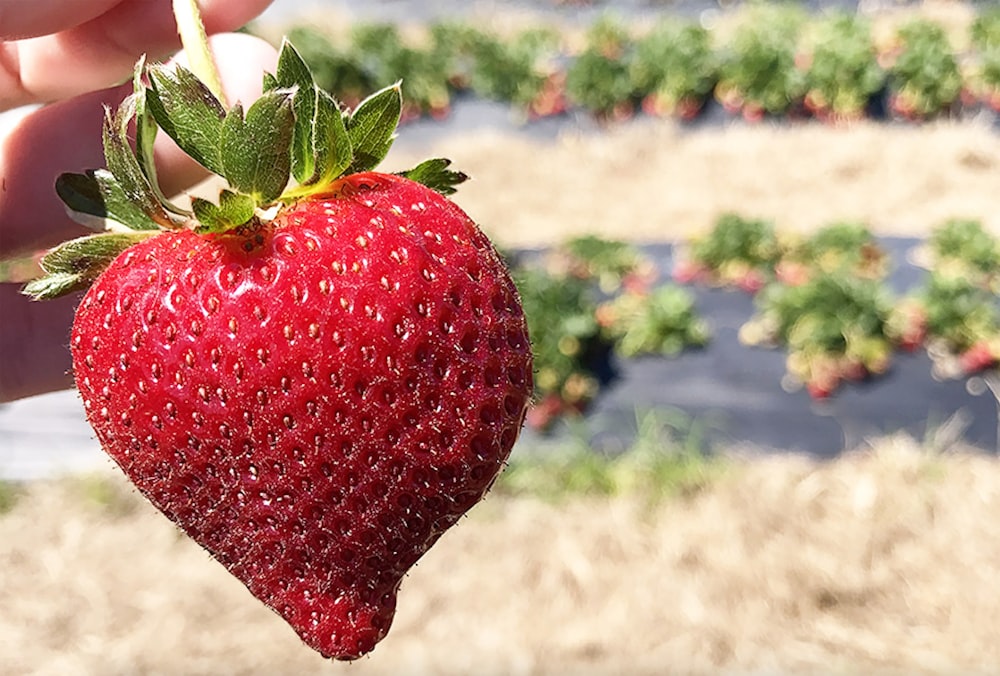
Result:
{"points": [[124, 165], [233, 210], [189, 113], [292, 73], [372, 127], [435, 175], [96, 200], [331, 142], [255, 150], [75, 264], [270, 83], [145, 135], [54, 286], [321, 147], [292, 70]]}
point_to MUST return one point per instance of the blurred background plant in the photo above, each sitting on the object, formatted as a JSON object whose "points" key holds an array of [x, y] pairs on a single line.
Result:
{"points": [[842, 70]]}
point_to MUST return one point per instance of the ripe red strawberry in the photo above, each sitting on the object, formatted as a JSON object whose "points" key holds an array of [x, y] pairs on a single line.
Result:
{"points": [[688, 271], [978, 357], [314, 395]]}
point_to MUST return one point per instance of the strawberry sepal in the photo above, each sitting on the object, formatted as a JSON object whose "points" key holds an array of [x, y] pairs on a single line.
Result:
{"points": [[74, 265], [292, 144]]}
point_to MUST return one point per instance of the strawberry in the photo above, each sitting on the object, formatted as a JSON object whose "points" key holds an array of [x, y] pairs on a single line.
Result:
{"points": [[978, 357], [688, 271], [821, 389], [314, 382]]}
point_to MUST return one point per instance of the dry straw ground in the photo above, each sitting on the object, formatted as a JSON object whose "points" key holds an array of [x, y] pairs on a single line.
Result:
{"points": [[880, 562], [886, 561]]}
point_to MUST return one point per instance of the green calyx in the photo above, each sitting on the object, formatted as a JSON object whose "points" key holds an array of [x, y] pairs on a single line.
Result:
{"points": [[291, 143]]}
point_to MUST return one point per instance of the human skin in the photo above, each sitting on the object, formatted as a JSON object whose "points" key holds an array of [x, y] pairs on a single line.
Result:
{"points": [[69, 56]]}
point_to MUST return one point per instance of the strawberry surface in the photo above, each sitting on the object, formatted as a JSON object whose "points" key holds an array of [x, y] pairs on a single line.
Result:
{"points": [[314, 399]]}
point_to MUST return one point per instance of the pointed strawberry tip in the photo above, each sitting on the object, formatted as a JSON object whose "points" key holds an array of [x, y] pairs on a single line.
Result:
{"points": [[342, 625]]}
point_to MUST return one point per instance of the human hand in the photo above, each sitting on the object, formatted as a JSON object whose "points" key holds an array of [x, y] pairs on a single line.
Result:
{"points": [[68, 56]]}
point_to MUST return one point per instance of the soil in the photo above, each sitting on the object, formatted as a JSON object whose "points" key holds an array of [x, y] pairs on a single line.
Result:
{"points": [[880, 562]]}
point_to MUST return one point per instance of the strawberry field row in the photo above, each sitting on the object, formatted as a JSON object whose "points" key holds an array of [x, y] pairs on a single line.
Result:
{"points": [[773, 61], [825, 298]]}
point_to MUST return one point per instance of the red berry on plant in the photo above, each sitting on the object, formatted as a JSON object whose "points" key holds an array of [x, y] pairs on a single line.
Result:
{"points": [[977, 358]]}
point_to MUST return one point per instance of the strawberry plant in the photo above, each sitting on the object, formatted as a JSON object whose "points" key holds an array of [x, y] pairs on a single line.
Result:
{"points": [[572, 332], [962, 324], [314, 376], [566, 338], [383, 53], [924, 76], [453, 40], [843, 73], [611, 264], [737, 252], [834, 327], [674, 69], [519, 70], [598, 79], [758, 75], [845, 247], [663, 322], [984, 35], [963, 248], [336, 71]]}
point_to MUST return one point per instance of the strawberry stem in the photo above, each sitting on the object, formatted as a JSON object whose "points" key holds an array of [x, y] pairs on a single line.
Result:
{"points": [[196, 48]]}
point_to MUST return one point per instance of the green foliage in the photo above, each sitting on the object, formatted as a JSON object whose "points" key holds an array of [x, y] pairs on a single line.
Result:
{"points": [[573, 331], [989, 75], [75, 264], [835, 327], [294, 129], [608, 262], [925, 76], [512, 70], [776, 60], [735, 246], [666, 460], [674, 63], [844, 72], [598, 79], [845, 247], [984, 33], [963, 247], [382, 52], [759, 66], [335, 71], [826, 312], [959, 312], [663, 322], [564, 332], [10, 494], [454, 40]]}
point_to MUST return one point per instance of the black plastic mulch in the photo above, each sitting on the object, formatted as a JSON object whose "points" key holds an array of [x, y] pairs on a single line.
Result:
{"points": [[733, 395]]}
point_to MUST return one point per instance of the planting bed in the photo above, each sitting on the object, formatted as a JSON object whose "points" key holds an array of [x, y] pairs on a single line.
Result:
{"points": [[733, 396]]}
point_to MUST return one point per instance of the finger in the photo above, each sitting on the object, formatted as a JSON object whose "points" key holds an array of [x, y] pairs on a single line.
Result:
{"points": [[66, 137], [19, 19], [101, 52], [34, 344]]}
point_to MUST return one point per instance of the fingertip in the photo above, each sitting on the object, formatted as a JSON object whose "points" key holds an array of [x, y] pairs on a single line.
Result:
{"points": [[242, 61]]}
